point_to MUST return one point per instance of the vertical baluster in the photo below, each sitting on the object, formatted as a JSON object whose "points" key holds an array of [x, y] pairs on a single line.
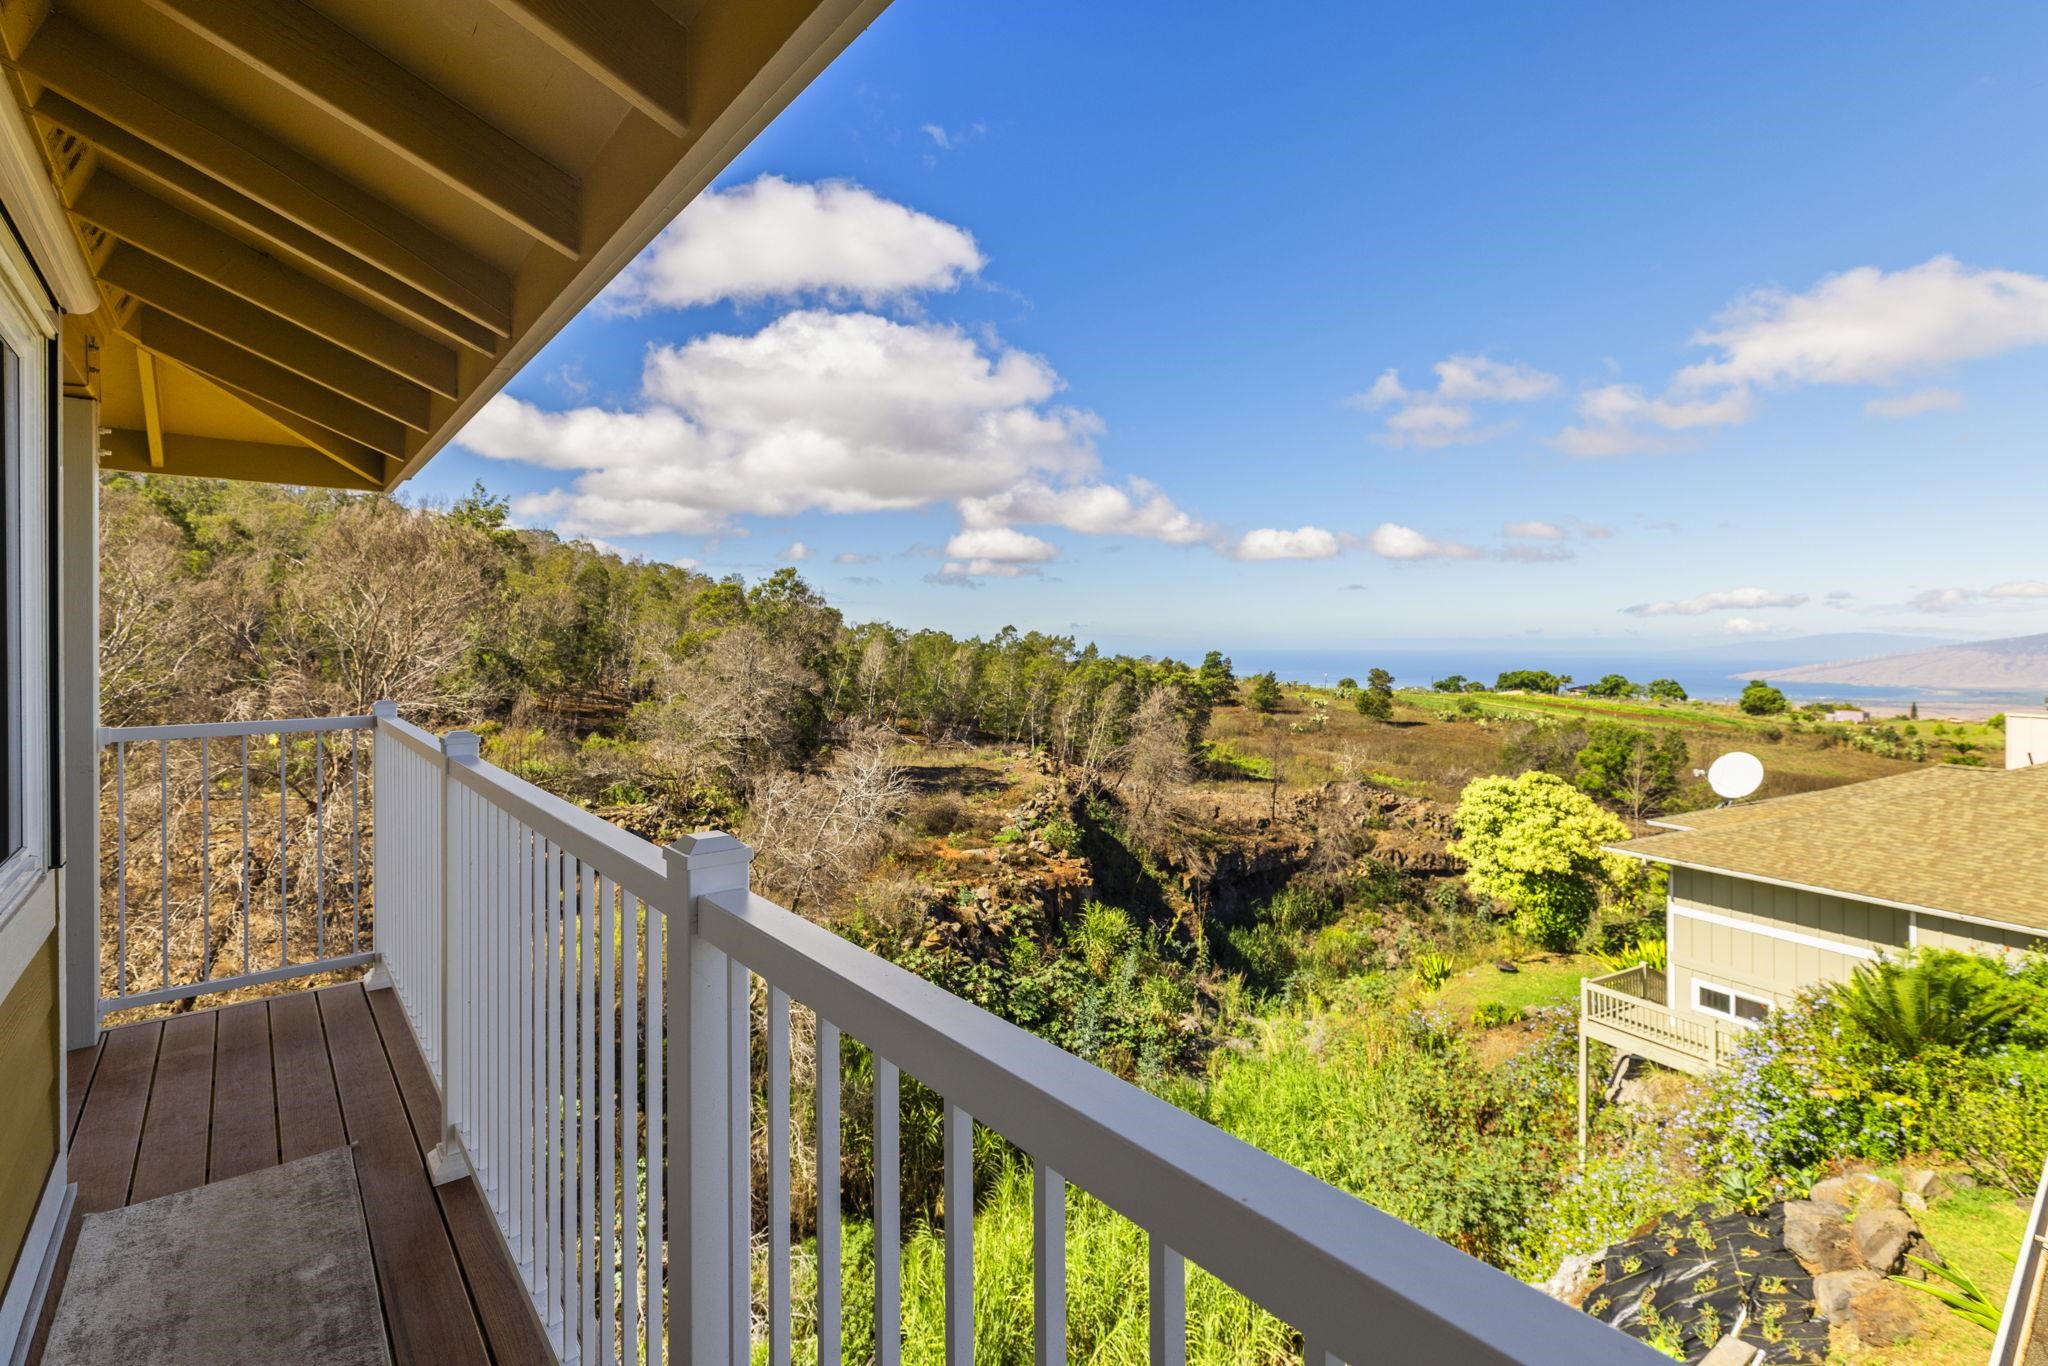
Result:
{"points": [[959, 1141], [529, 1060], [319, 847], [657, 1159], [828, 1193], [565, 1022], [1167, 1272], [120, 867], [163, 768], [205, 864], [586, 1057], [1048, 1265], [888, 1201], [778, 1178], [284, 862], [629, 1127], [355, 830], [516, 980], [245, 853], [550, 1097], [607, 1112], [740, 1188]]}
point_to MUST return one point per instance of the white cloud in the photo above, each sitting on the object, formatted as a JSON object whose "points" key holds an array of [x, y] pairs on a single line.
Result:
{"points": [[1748, 599], [772, 238], [2016, 592], [1392, 541], [837, 412], [938, 135], [963, 573], [854, 557], [1870, 326], [1534, 531], [1443, 415], [1620, 419], [1274, 543], [1537, 552], [1913, 404], [1745, 626], [1136, 509], [1000, 544], [796, 551]]}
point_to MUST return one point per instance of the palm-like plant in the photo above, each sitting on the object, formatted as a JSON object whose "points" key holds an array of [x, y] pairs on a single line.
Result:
{"points": [[1941, 999]]}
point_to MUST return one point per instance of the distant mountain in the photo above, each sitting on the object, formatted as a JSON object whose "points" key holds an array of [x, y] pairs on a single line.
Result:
{"points": [[2015, 664], [1796, 650]]}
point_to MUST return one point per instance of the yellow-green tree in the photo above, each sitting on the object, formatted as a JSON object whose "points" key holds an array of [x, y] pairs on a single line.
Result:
{"points": [[1533, 843]]}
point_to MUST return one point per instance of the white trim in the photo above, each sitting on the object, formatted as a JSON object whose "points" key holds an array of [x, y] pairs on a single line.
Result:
{"points": [[38, 216], [24, 932], [1772, 931], [1845, 894], [1700, 984], [25, 329], [35, 1268]]}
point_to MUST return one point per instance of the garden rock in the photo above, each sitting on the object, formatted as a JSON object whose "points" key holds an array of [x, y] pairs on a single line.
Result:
{"points": [[1835, 1291], [1857, 1190], [1817, 1233], [1732, 1352], [1568, 1282], [1884, 1316], [1913, 1202], [1882, 1236], [1928, 1186]]}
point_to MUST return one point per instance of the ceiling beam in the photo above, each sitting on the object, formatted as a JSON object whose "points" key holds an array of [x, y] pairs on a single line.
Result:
{"points": [[196, 349], [634, 47], [138, 98], [152, 407], [165, 172], [309, 54], [212, 457], [285, 344], [134, 215]]}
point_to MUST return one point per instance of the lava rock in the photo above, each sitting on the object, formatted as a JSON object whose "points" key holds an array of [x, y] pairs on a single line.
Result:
{"points": [[1817, 1233], [1857, 1190], [1882, 1236], [1928, 1186], [1835, 1291], [1884, 1316]]}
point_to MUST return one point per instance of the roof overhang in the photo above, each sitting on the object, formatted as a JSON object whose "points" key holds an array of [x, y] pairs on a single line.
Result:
{"points": [[306, 242]]}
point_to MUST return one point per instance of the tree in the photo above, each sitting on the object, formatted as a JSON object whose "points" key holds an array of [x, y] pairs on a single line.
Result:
{"points": [[1635, 769], [1454, 683], [1375, 701], [1666, 690], [1612, 685], [815, 833], [1346, 685], [1217, 683], [1761, 699], [1531, 680], [1265, 692], [1533, 844], [1159, 758]]}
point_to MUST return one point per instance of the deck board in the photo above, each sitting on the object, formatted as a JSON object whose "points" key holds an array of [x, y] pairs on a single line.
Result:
{"points": [[173, 1153], [79, 1066], [244, 1130], [433, 1322], [284, 1078]]}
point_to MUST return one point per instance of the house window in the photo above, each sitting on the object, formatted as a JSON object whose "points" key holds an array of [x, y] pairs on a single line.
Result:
{"points": [[1729, 1003]]}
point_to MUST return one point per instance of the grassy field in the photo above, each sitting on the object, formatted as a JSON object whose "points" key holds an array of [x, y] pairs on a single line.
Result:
{"points": [[1977, 1231]]}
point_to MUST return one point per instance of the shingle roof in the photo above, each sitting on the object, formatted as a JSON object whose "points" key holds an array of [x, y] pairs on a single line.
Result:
{"points": [[1966, 841]]}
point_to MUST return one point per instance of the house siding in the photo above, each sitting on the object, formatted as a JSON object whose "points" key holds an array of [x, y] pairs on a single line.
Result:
{"points": [[1939, 932], [29, 1120]]}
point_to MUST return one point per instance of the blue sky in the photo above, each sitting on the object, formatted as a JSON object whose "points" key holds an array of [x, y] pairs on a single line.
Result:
{"points": [[1650, 325]]}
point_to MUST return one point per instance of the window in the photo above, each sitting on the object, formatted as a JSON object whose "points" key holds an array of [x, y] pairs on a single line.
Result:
{"points": [[1729, 1003]]}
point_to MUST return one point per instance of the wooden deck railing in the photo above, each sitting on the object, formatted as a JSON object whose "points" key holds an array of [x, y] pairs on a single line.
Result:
{"points": [[1632, 1003], [586, 1001]]}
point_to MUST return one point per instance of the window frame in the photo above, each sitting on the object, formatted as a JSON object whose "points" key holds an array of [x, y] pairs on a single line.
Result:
{"points": [[1702, 985]]}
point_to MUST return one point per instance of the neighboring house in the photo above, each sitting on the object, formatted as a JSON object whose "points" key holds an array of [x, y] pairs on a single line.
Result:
{"points": [[1770, 898], [2026, 738], [1852, 716]]}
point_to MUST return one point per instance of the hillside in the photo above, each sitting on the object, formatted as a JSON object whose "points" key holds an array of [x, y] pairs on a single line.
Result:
{"points": [[2013, 664]]}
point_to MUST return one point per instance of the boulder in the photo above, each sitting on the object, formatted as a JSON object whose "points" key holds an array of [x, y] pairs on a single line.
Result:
{"points": [[1835, 1291], [1882, 1236], [1884, 1316], [1914, 1202], [1569, 1282], [1857, 1190], [1817, 1233], [1928, 1186]]}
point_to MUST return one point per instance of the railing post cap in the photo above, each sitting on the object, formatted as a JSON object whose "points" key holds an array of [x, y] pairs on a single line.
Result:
{"points": [[708, 849], [462, 744], [385, 708]]}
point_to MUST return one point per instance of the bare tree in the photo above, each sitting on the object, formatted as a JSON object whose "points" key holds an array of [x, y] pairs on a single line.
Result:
{"points": [[815, 833], [1156, 759], [738, 706]]}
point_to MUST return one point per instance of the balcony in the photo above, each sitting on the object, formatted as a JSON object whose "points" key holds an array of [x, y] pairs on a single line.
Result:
{"points": [[569, 1080], [1631, 1011]]}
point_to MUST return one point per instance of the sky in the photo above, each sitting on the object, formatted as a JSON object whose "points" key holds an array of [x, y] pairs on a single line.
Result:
{"points": [[1643, 326]]}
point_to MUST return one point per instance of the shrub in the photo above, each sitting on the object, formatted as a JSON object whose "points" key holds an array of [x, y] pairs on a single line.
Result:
{"points": [[1938, 998], [942, 814], [1432, 969], [1534, 843], [1493, 1014], [1998, 1125]]}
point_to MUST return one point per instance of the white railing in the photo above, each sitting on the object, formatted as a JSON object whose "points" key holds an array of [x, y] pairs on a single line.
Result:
{"points": [[596, 1041], [1619, 1001], [232, 855]]}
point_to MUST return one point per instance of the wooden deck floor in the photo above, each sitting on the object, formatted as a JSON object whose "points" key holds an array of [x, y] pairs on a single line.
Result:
{"points": [[168, 1105]]}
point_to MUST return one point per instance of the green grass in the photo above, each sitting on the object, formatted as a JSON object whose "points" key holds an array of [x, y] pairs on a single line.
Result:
{"points": [[1543, 980], [1979, 1232]]}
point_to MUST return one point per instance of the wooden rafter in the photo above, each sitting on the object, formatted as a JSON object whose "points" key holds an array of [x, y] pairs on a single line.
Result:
{"points": [[248, 373], [634, 47], [157, 168], [136, 97], [134, 215], [208, 457], [316, 58], [184, 295], [152, 407]]}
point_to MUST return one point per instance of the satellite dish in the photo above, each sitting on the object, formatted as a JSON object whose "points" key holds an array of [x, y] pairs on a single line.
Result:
{"points": [[1735, 775]]}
